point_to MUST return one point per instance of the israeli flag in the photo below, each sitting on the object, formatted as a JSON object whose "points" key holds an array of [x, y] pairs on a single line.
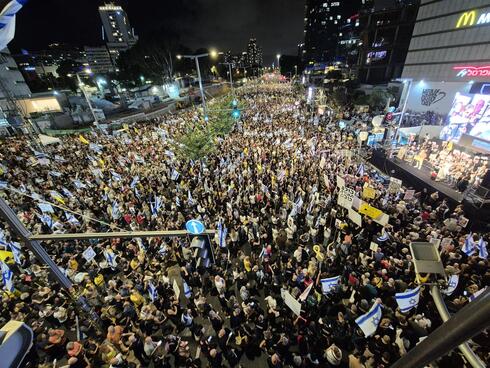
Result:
{"points": [[7, 21], [15, 249], [329, 284], [187, 290], [135, 181], [163, 250], [79, 185], [155, 205], [137, 193], [408, 300], [170, 154], [139, 159], [142, 247], [177, 201], [360, 170], [23, 188], [116, 176], [152, 290], [38, 154], [452, 285], [66, 192], [95, 147], [369, 322], [384, 236], [7, 277], [46, 220], [190, 200], [222, 232], [110, 257], [3, 184], [482, 249], [116, 213], [175, 175], [55, 174], [469, 245], [71, 219], [476, 295]]}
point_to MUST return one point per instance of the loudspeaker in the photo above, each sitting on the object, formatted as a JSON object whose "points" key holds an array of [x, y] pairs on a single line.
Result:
{"points": [[482, 192]]}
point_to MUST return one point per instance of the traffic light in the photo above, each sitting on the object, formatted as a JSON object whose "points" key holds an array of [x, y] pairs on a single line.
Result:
{"points": [[236, 113]]}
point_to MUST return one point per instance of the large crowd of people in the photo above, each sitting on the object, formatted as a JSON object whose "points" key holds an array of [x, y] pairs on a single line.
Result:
{"points": [[274, 184]]}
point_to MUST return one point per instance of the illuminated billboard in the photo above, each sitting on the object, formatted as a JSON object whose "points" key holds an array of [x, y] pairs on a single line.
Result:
{"points": [[469, 114]]}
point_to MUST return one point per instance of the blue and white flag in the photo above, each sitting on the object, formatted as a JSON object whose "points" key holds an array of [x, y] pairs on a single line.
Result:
{"points": [[482, 249], [15, 249], [369, 322], [116, 176], [67, 192], [7, 277], [3, 184], [163, 250], [469, 245], [155, 205], [55, 174], [110, 257], [135, 181], [408, 299], [452, 285], [46, 220], [71, 219], [330, 284], [79, 185], [139, 159], [152, 290], [360, 170], [7, 21], [175, 175], [116, 212], [222, 232], [187, 290], [95, 147], [142, 247], [476, 295], [177, 201], [190, 200], [137, 193], [38, 154], [384, 236]]}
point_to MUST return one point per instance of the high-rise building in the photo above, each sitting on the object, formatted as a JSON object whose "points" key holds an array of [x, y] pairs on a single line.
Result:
{"points": [[254, 54], [117, 31], [99, 60], [385, 39], [323, 21]]}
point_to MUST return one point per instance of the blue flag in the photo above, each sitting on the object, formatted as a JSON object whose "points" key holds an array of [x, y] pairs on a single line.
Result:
{"points": [[408, 299], [152, 290], [452, 285], [360, 170], [369, 322], [7, 277], [187, 290], [110, 257], [15, 249], [469, 245], [330, 284], [482, 249], [155, 205], [222, 232]]}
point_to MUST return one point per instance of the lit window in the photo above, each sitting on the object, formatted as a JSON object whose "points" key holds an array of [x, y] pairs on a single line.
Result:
{"points": [[325, 5], [335, 4], [340, 34], [323, 22], [348, 20], [335, 22], [331, 18], [338, 17]]}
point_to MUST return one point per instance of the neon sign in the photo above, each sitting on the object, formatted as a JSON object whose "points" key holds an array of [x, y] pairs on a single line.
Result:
{"points": [[468, 19], [472, 71]]}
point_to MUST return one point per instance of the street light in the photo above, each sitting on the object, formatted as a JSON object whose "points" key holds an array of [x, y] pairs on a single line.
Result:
{"points": [[87, 71], [278, 56], [213, 54], [230, 72]]}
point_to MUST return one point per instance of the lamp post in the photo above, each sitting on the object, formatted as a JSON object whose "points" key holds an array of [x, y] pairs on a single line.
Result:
{"points": [[213, 54], [278, 56], [231, 77], [82, 88], [409, 89]]}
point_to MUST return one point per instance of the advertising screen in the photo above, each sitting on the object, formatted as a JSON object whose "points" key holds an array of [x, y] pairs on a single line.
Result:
{"points": [[469, 114]]}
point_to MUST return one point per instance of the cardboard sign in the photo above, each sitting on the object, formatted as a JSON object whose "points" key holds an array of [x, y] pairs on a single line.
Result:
{"points": [[445, 243], [176, 288], [346, 197], [463, 221], [377, 215], [340, 182], [395, 185], [355, 217], [373, 246], [409, 195], [368, 192], [292, 303]]}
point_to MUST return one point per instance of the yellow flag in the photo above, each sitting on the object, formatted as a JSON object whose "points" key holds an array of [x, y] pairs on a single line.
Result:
{"points": [[136, 131], [83, 140], [102, 163], [259, 168], [59, 199], [4, 255]]}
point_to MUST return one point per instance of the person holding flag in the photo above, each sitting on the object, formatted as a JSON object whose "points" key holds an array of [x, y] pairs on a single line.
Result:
{"points": [[369, 322], [408, 299]]}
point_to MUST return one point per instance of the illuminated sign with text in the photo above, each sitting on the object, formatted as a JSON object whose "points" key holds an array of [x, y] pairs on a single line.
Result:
{"points": [[472, 71], [472, 18]]}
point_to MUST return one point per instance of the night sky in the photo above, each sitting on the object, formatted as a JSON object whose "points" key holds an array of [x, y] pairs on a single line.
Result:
{"points": [[224, 24]]}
